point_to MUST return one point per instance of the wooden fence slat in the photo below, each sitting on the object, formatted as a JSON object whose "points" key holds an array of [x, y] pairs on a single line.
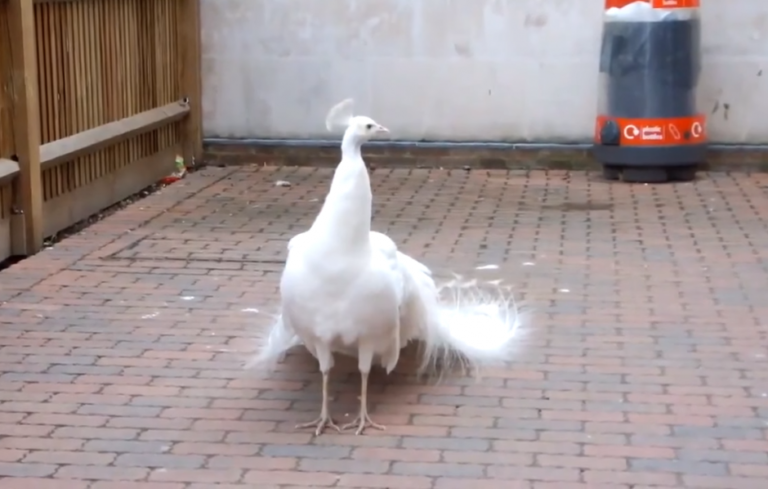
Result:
{"points": [[21, 18], [188, 32], [6, 100]]}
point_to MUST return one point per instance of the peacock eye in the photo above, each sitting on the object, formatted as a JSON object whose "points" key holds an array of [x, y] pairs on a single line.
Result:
{"points": [[369, 126]]}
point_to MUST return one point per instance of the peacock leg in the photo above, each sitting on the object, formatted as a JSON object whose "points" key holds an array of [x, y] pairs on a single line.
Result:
{"points": [[324, 420], [363, 421]]}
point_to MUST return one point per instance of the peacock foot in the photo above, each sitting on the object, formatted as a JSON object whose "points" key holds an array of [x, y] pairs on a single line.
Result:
{"points": [[362, 421], [320, 424]]}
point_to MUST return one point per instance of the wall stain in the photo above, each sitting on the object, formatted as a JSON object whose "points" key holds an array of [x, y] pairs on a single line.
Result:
{"points": [[462, 49], [535, 20]]}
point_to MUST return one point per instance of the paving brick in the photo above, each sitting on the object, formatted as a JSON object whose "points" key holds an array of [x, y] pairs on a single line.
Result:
{"points": [[397, 454], [726, 456], [47, 443], [20, 469], [179, 474], [448, 483], [97, 433], [629, 451], [602, 463], [149, 423], [90, 398], [101, 473], [70, 457], [24, 430], [296, 438], [321, 452], [438, 469], [84, 421], [749, 470], [597, 477], [183, 435], [538, 447], [535, 473], [220, 414], [722, 482], [213, 485], [280, 477], [252, 463], [38, 483], [383, 481], [119, 410], [136, 485], [344, 466], [164, 461], [11, 455], [124, 446], [222, 449], [121, 363], [440, 443]]}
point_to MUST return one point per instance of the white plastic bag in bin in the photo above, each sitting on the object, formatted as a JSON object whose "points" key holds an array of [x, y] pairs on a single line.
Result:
{"points": [[643, 11]]}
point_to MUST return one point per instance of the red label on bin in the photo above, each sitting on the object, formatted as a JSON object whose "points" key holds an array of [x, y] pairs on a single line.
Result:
{"points": [[664, 4], [657, 132], [660, 4]]}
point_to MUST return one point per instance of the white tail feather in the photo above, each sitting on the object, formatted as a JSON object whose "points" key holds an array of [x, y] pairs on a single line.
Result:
{"points": [[462, 324], [479, 325], [340, 115], [274, 344]]}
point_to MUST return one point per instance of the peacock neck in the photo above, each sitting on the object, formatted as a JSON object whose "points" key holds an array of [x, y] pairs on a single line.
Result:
{"points": [[351, 147], [345, 217]]}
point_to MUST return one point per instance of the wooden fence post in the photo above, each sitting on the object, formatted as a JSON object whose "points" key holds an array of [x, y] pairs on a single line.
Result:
{"points": [[188, 32], [26, 112]]}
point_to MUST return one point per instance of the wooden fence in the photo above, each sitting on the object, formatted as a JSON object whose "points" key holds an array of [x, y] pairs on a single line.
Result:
{"points": [[97, 98]]}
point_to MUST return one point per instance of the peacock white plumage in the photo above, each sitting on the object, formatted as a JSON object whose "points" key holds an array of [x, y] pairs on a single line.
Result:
{"points": [[346, 289]]}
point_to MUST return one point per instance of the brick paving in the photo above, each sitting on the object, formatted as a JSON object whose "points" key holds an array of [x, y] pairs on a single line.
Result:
{"points": [[121, 348]]}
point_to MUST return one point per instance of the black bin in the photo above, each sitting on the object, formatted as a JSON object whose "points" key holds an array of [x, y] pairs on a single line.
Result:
{"points": [[648, 127]]}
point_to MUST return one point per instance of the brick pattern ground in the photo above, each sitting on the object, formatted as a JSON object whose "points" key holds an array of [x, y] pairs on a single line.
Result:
{"points": [[121, 349]]}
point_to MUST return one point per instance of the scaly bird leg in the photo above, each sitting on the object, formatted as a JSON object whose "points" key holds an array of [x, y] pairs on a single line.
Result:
{"points": [[324, 420], [363, 421]]}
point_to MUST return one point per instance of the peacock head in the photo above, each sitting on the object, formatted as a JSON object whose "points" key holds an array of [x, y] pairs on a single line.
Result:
{"points": [[360, 127], [365, 128]]}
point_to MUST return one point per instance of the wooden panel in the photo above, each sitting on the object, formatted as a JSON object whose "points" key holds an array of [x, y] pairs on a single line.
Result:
{"points": [[102, 61], [6, 86], [89, 106], [6, 134], [101, 193], [5, 221]]}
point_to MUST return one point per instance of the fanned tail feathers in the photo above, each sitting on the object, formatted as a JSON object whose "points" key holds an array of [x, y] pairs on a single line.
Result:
{"points": [[480, 324], [274, 343], [465, 324]]}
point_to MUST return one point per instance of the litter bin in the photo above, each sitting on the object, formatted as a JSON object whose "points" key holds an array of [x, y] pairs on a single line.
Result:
{"points": [[648, 127]]}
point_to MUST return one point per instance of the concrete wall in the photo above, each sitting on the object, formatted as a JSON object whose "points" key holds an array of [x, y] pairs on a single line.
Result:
{"points": [[458, 70]]}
